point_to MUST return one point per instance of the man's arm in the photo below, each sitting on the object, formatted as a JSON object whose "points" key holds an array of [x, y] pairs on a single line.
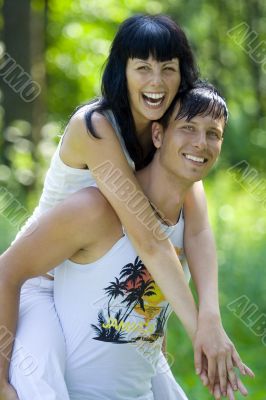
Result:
{"points": [[59, 234], [200, 250]]}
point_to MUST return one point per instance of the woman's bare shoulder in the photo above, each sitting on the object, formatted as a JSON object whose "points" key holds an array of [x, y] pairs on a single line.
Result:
{"points": [[78, 141], [77, 125]]}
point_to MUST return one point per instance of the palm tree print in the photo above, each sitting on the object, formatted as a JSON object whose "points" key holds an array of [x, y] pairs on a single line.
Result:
{"points": [[133, 271], [108, 334], [114, 290], [136, 295], [132, 290], [161, 321], [159, 330]]}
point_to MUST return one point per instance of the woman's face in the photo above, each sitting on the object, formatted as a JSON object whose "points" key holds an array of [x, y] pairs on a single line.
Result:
{"points": [[152, 86]]}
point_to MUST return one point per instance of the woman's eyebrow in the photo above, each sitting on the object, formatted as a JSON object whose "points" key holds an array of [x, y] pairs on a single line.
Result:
{"points": [[171, 62], [148, 62], [141, 60]]}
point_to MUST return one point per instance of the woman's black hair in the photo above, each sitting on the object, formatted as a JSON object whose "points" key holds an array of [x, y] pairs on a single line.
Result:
{"points": [[202, 99], [140, 36]]}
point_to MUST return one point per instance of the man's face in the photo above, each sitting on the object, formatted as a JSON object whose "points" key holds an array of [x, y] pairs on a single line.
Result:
{"points": [[190, 148]]}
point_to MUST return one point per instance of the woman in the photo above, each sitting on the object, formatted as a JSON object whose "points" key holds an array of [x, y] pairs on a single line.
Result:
{"points": [[150, 60]]}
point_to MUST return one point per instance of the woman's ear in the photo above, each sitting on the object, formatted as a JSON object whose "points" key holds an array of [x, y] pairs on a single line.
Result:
{"points": [[157, 134]]}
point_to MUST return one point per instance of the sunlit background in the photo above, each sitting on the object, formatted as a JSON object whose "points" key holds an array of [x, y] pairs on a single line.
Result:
{"points": [[62, 45]]}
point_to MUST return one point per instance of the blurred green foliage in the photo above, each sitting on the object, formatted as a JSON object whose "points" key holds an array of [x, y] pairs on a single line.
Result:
{"points": [[225, 36], [240, 229]]}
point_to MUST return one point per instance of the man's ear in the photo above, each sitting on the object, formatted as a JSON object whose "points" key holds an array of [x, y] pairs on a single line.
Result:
{"points": [[157, 134]]}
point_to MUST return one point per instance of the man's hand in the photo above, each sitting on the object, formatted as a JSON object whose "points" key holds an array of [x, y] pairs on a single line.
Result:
{"points": [[7, 392], [212, 342]]}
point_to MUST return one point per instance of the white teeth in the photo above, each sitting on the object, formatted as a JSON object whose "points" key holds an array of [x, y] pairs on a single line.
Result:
{"points": [[154, 95], [153, 104], [151, 97], [193, 158]]}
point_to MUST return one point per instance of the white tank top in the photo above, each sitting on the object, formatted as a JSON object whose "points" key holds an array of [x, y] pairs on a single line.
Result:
{"points": [[61, 180], [113, 316]]}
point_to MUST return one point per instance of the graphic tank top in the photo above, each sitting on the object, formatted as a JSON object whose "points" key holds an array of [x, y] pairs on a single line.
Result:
{"points": [[114, 317]]}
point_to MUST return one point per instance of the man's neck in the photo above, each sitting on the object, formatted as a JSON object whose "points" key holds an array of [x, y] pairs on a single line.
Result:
{"points": [[165, 191]]}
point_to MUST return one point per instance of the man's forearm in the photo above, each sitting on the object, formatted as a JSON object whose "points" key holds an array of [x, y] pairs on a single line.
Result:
{"points": [[202, 260], [9, 300]]}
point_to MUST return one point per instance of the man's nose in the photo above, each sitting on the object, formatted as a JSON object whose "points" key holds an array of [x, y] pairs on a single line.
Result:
{"points": [[200, 140]]}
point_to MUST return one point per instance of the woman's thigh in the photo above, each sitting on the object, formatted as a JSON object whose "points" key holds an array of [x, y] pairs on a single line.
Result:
{"points": [[164, 385], [38, 360]]}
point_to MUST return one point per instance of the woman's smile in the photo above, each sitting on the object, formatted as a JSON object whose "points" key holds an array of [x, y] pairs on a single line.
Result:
{"points": [[153, 100], [152, 86]]}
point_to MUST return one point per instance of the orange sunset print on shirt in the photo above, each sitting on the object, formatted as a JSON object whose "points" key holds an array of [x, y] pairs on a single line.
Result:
{"points": [[134, 309]]}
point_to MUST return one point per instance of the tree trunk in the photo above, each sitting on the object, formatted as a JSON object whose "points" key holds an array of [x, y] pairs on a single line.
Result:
{"points": [[22, 72], [16, 37]]}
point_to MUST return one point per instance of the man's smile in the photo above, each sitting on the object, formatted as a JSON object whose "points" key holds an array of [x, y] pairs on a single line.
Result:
{"points": [[197, 159]]}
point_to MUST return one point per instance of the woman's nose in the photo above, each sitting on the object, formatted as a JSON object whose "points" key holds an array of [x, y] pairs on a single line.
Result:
{"points": [[156, 77]]}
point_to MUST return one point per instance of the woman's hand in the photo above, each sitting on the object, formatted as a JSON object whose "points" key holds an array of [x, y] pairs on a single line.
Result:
{"points": [[216, 391], [212, 342]]}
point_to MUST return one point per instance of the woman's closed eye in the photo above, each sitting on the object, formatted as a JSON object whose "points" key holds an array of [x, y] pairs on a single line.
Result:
{"points": [[170, 69], [143, 68]]}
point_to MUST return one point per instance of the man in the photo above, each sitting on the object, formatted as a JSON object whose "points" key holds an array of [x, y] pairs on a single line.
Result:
{"points": [[112, 312]]}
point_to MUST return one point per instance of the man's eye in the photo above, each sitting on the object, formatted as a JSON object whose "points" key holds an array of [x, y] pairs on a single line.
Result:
{"points": [[189, 127], [214, 134]]}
